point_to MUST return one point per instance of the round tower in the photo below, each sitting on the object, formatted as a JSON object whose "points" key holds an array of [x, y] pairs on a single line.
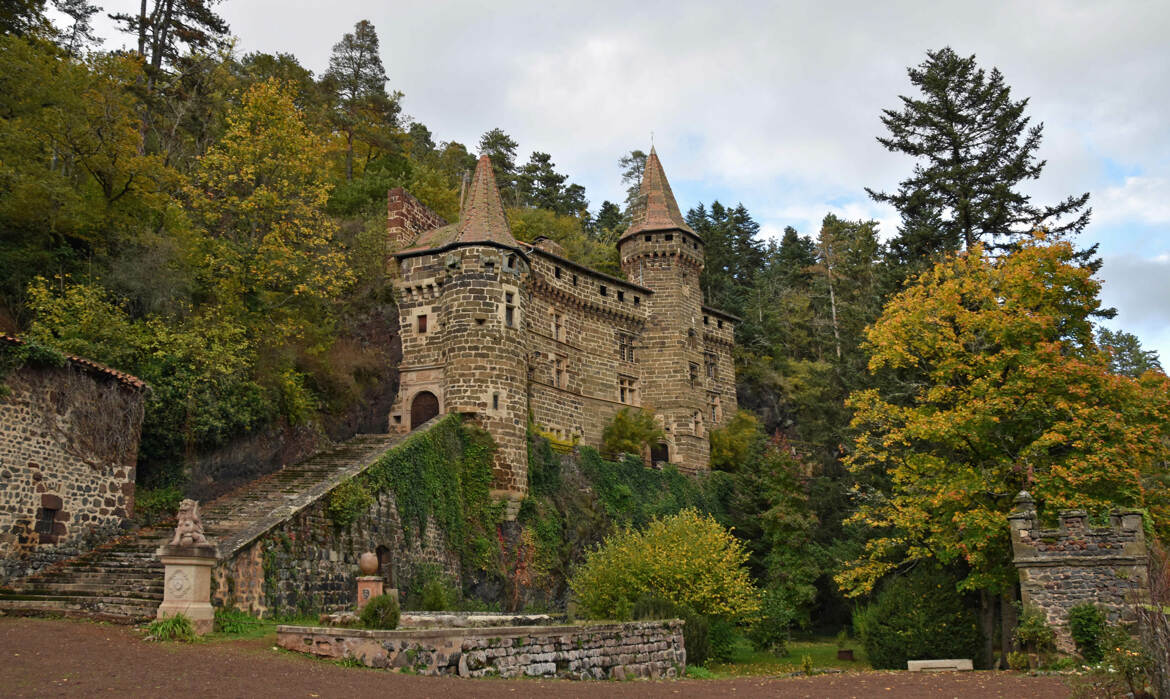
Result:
{"points": [[660, 251]]}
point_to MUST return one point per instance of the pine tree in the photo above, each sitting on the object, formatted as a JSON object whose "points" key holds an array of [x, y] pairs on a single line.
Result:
{"points": [[356, 76], [501, 148], [974, 149]]}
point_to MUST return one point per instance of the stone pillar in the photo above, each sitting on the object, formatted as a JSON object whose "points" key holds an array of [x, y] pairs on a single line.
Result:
{"points": [[187, 587], [368, 587]]}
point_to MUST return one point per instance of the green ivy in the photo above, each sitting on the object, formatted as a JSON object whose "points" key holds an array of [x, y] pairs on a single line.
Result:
{"points": [[444, 474], [14, 355]]}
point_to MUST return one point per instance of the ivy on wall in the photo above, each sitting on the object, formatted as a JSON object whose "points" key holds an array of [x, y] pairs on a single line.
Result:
{"points": [[443, 474]]}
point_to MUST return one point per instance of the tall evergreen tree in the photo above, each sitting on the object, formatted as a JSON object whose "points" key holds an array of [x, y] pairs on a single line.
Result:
{"points": [[501, 148], [165, 28], [632, 165], [974, 148], [364, 111]]}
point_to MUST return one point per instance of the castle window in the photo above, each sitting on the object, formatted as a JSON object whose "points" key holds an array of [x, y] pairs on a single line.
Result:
{"points": [[668, 237], [625, 347], [603, 290], [720, 324], [627, 390], [489, 266], [558, 328], [560, 372], [649, 238], [637, 300], [706, 320], [712, 365], [509, 310], [716, 411], [496, 401], [621, 296], [422, 323], [698, 423], [557, 272], [694, 374], [510, 262], [574, 280]]}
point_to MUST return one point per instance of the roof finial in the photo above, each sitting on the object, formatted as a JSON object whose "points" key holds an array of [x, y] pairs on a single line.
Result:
{"points": [[651, 139]]}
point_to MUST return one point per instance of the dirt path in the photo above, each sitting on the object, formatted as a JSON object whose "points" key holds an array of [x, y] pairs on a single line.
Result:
{"points": [[48, 657]]}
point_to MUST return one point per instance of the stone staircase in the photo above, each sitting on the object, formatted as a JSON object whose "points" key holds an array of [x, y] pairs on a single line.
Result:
{"points": [[122, 580]]}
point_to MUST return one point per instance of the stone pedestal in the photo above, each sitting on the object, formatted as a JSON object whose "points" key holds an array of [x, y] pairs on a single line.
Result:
{"points": [[187, 587], [369, 587]]}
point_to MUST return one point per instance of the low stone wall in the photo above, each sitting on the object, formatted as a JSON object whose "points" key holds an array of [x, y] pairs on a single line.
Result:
{"points": [[597, 651], [1072, 564]]}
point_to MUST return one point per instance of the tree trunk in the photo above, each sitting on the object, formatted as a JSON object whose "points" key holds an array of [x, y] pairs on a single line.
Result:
{"points": [[1009, 615], [987, 630]]}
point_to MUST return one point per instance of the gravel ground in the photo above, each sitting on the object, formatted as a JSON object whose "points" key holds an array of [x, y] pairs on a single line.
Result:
{"points": [[56, 657]]}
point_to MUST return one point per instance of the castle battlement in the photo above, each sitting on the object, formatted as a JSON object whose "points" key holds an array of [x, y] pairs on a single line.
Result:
{"points": [[510, 333]]}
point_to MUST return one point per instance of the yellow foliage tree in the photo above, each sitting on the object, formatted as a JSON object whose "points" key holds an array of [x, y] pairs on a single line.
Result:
{"points": [[990, 383]]}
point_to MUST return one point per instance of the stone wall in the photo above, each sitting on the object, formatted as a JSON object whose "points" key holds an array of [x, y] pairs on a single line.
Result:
{"points": [[407, 217], [599, 651], [308, 564], [1072, 564], [68, 450]]}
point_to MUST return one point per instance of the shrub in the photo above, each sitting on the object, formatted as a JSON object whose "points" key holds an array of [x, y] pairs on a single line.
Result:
{"points": [[155, 505], [722, 635], [736, 443], [696, 628], [172, 628], [687, 558], [348, 501], [1034, 634], [1086, 625], [770, 630], [233, 621], [1018, 660], [381, 612], [437, 596], [915, 616], [630, 432]]}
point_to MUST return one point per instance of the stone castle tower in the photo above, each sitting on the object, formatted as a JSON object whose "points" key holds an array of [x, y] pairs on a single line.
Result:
{"points": [[509, 333]]}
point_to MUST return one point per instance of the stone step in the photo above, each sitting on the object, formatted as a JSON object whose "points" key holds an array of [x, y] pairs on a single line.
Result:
{"points": [[111, 609], [89, 591]]}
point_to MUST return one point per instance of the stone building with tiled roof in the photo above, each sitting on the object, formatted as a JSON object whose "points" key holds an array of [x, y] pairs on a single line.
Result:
{"points": [[511, 332]]}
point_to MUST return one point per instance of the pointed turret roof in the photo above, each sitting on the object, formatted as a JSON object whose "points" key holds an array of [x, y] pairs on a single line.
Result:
{"points": [[657, 209], [482, 219]]}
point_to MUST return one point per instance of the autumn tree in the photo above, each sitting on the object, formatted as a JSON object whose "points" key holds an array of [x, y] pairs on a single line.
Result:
{"points": [[269, 253], [974, 149], [1126, 354], [992, 385]]}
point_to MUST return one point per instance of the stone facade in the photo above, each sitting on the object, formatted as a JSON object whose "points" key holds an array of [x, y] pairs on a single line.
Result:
{"points": [[306, 563], [68, 451], [1072, 564], [509, 332], [650, 649]]}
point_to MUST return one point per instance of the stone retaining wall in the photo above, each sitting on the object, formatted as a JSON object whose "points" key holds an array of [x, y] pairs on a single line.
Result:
{"points": [[68, 448], [1072, 564], [598, 651]]}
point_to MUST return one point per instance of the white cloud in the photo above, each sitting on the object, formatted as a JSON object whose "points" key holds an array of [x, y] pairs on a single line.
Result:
{"points": [[1139, 199]]}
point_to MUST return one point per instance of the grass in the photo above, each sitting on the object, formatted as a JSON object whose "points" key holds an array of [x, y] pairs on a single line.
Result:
{"points": [[746, 661]]}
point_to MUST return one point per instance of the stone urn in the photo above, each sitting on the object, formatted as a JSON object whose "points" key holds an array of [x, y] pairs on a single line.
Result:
{"points": [[368, 563]]}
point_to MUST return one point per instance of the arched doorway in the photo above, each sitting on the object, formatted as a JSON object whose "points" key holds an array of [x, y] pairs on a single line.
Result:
{"points": [[424, 407]]}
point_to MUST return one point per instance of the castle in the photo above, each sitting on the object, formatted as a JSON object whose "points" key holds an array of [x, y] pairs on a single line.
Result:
{"points": [[512, 333]]}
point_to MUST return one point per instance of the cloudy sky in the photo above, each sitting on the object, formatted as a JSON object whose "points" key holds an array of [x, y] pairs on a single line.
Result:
{"points": [[776, 105]]}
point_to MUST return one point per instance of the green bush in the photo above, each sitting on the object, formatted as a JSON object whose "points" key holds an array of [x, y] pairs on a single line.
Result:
{"points": [[770, 630], [230, 620], [722, 635], [437, 596], [630, 432], [156, 505], [349, 501], [381, 612], [172, 628], [915, 616], [696, 628], [1086, 625], [687, 558], [1034, 635]]}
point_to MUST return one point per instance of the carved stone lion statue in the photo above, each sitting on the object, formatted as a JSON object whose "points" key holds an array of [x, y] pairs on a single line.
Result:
{"points": [[189, 530]]}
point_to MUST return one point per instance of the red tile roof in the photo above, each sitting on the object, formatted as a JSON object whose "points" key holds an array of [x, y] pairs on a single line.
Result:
{"points": [[482, 219], [92, 367], [658, 211]]}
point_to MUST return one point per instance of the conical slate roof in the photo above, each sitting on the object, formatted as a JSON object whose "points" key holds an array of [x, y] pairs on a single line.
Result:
{"points": [[657, 209], [482, 219]]}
